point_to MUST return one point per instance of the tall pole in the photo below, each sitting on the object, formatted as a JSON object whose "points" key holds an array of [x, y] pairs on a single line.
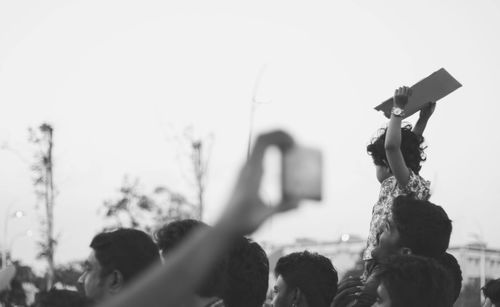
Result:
{"points": [[483, 269], [250, 130], [482, 262], [199, 170], [253, 107]]}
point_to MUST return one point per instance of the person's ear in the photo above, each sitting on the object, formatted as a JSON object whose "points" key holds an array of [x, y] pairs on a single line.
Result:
{"points": [[405, 251], [116, 281]]}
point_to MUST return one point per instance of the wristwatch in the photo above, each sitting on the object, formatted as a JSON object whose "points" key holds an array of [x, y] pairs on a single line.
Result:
{"points": [[396, 111]]}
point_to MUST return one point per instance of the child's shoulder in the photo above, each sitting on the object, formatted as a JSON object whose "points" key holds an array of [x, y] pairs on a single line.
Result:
{"points": [[417, 177], [418, 184]]}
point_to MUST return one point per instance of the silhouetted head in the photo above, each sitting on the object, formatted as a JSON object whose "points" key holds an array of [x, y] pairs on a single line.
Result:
{"points": [[413, 281], [411, 147], [116, 258], [416, 227], [492, 292], [304, 279]]}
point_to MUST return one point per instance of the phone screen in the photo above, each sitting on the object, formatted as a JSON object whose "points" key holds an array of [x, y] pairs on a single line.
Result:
{"points": [[302, 173]]}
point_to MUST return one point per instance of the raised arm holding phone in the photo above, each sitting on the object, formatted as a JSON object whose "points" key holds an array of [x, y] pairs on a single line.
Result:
{"points": [[185, 269]]}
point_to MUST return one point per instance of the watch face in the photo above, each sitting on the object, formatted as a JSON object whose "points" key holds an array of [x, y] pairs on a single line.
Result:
{"points": [[397, 111]]}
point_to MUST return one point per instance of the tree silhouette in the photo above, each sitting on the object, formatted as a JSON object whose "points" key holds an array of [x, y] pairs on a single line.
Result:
{"points": [[43, 182], [146, 211]]}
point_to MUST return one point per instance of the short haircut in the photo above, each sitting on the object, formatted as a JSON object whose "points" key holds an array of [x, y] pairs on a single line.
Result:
{"points": [[173, 234], [241, 275], [129, 251], [492, 291], [450, 264], [312, 273], [247, 277], [415, 281], [423, 226], [412, 148], [61, 298]]}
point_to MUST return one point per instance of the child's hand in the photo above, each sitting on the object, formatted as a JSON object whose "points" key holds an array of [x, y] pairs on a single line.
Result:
{"points": [[427, 111], [401, 97]]}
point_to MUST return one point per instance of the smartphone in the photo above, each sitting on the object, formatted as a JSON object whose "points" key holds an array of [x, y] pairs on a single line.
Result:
{"points": [[302, 173]]}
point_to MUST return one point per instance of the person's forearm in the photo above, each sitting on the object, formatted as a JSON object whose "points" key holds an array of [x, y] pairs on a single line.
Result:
{"points": [[393, 134], [420, 127]]}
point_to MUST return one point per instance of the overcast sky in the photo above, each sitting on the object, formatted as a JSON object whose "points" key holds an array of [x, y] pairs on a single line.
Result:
{"points": [[115, 78]]}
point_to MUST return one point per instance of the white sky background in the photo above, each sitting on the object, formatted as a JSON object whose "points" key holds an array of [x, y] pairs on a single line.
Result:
{"points": [[112, 76]]}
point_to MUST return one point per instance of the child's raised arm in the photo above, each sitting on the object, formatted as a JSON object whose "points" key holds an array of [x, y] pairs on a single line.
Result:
{"points": [[423, 118], [393, 137]]}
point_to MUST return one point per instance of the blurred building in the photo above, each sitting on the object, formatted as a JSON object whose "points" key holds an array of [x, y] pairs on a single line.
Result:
{"points": [[477, 261], [344, 253]]}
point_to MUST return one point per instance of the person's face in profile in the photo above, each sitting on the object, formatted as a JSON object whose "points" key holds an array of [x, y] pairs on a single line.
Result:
{"points": [[282, 294], [92, 279], [383, 298], [388, 241]]}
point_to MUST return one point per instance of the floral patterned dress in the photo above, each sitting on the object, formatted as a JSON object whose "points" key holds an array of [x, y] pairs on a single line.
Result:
{"points": [[389, 190]]}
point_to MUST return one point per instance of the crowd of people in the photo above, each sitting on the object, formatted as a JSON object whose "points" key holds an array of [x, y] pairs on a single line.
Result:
{"points": [[190, 263]]}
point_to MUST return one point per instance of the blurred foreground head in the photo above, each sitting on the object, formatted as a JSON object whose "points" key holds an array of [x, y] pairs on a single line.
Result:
{"points": [[116, 257], [240, 276], [413, 281]]}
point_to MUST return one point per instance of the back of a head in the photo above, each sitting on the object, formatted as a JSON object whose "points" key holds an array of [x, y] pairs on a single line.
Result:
{"points": [[60, 298], [247, 275], [312, 273], [423, 226], [450, 264], [129, 251], [492, 291], [414, 281], [411, 147], [173, 234]]}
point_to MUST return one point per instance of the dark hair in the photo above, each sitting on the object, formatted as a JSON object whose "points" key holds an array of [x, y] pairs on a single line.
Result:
{"points": [[423, 227], [492, 291], [312, 273], [173, 234], [61, 298], [247, 275], [411, 147], [129, 251], [415, 281], [450, 264]]}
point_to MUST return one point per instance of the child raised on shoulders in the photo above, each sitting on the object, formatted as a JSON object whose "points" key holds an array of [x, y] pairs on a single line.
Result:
{"points": [[397, 154]]}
